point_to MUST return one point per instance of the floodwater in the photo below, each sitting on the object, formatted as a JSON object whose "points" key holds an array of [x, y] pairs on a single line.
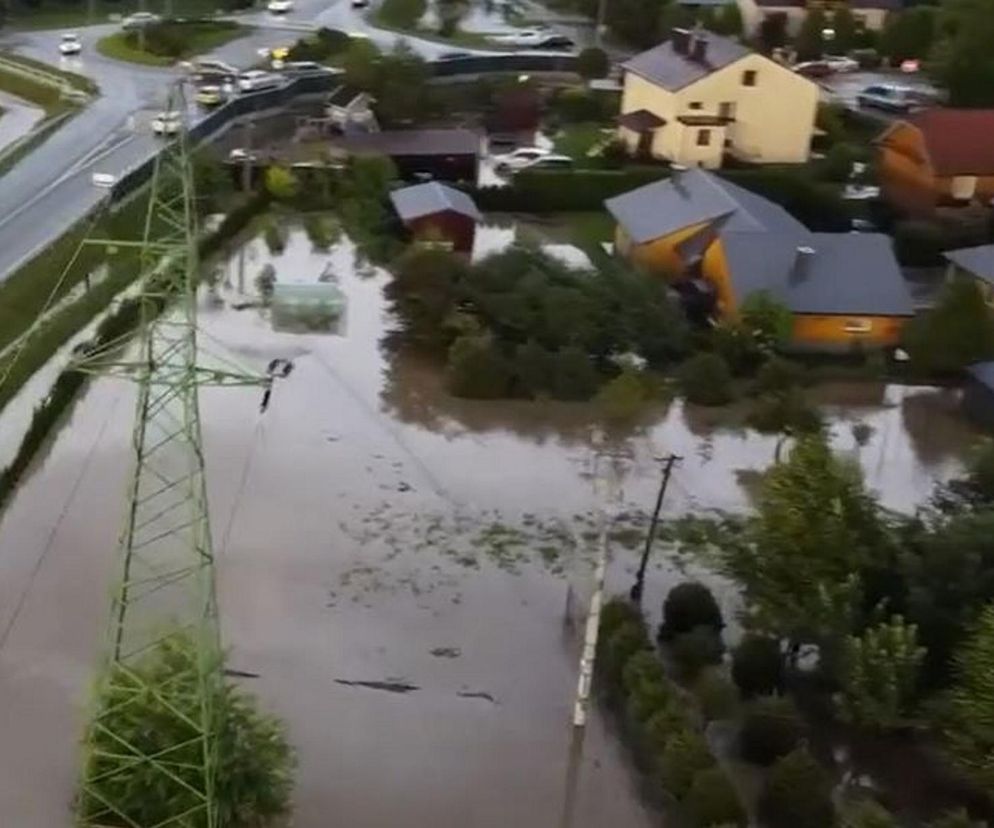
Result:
{"points": [[370, 529]]}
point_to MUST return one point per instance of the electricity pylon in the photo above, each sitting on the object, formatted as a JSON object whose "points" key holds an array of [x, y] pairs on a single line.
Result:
{"points": [[165, 595]]}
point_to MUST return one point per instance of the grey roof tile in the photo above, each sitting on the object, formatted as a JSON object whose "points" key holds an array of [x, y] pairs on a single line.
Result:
{"points": [[432, 197], [976, 260], [673, 70]]}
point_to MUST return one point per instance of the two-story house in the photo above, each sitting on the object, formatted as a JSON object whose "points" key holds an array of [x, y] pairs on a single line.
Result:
{"points": [[938, 158], [699, 96], [868, 14]]}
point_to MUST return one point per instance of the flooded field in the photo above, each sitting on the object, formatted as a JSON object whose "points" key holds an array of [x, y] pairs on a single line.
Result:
{"points": [[396, 566]]}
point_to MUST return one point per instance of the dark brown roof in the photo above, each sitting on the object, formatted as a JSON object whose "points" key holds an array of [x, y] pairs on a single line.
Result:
{"points": [[704, 120], [415, 142], [958, 141], [641, 120]]}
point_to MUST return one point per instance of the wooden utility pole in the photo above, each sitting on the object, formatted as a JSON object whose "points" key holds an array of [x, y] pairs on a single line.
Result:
{"points": [[668, 464]]}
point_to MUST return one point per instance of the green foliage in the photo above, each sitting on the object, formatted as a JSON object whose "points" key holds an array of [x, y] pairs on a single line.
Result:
{"points": [[397, 80], [254, 771], [642, 668], [402, 14], [325, 44], [964, 60], [625, 641], [844, 25], [476, 369], [423, 292], [817, 204], [557, 191], [787, 412], [688, 605], [880, 674], [615, 612], [275, 236], [797, 793], [686, 754], [361, 64], [727, 20], [778, 375], [592, 63], [909, 34], [867, 814], [810, 43], [956, 332], [968, 714], [771, 728], [705, 379], [838, 163], [672, 718], [647, 697], [716, 695], [174, 39], [281, 183], [757, 666], [768, 319], [450, 14], [625, 397], [323, 231], [956, 819], [635, 22], [696, 649], [773, 31], [713, 800], [578, 105]]}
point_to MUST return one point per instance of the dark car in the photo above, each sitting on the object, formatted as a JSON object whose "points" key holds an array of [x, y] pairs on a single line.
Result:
{"points": [[889, 98], [557, 42], [453, 55], [814, 69]]}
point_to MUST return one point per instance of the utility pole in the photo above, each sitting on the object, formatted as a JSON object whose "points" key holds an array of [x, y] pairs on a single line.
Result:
{"points": [[247, 132], [668, 464], [600, 23]]}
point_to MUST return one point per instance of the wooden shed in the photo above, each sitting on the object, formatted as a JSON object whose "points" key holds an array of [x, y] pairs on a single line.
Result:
{"points": [[439, 213]]}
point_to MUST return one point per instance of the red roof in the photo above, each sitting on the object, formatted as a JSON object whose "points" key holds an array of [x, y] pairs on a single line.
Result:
{"points": [[958, 141]]}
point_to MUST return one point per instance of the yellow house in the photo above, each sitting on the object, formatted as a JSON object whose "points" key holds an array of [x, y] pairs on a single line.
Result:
{"points": [[698, 96], [868, 14], [845, 290]]}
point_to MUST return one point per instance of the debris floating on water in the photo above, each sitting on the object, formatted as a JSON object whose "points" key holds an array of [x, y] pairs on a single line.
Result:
{"points": [[388, 686]]}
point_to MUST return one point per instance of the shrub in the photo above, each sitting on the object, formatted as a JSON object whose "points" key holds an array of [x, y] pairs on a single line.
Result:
{"points": [[615, 612], [686, 753], [867, 814], [689, 605], [957, 331], [788, 412], [778, 374], [620, 646], [402, 14], [838, 163], [647, 698], [275, 236], [643, 667], [713, 800], [956, 819], [574, 376], [551, 191], [674, 717], [816, 204], [623, 398], [578, 105], [797, 793], [253, 778], [771, 728], [592, 63], [705, 379], [757, 666], [281, 183], [717, 696], [697, 649], [476, 369]]}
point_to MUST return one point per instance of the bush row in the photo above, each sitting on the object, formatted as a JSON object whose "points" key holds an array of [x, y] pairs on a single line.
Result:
{"points": [[665, 732], [549, 192]]}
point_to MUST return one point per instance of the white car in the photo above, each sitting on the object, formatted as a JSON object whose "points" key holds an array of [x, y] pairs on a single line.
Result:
{"points": [[279, 6], [69, 44], [521, 157], [167, 123], [103, 180], [841, 63], [548, 162], [255, 80], [139, 20]]}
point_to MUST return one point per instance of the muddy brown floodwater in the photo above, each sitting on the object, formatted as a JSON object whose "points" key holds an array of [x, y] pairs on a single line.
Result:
{"points": [[396, 566]]}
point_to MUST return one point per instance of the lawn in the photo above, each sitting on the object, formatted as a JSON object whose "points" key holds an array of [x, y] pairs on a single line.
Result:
{"points": [[577, 140], [59, 15], [196, 38]]}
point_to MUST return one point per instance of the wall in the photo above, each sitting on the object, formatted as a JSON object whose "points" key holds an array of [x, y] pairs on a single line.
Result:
{"points": [[688, 152], [447, 226], [715, 269], [827, 333], [905, 175], [659, 256]]}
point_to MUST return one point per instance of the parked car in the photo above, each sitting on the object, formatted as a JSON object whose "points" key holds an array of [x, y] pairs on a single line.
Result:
{"points": [[548, 162], [886, 97], [518, 158], [139, 20], [211, 95], [103, 180], [167, 123], [556, 42], [454, 55], [242, 156], [69, 44], [359, 4], [841, 63], [255, 80], [279, 6], [212, 71], [526, 38], [814, 69], [306, 67]]}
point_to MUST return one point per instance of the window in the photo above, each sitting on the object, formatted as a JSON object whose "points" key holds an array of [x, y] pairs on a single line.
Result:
{"points": [[703, 137], [696, 105], [857, 326], [749, 77]]}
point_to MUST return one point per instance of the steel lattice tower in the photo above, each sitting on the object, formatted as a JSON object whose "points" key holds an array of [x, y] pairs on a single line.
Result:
{"points": [[166, 591]]}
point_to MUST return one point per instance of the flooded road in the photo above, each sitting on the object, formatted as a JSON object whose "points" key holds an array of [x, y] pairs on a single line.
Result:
{"points": [[398, 567]]}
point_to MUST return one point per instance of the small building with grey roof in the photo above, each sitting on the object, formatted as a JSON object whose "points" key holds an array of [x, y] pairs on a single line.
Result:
{"points": [[976, 263], [437, 213]]}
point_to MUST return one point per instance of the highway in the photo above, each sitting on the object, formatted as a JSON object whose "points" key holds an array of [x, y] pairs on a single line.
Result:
{"points": [[51, 188]]}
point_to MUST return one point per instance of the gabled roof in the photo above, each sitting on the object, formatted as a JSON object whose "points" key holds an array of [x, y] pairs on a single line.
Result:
{"points": [[983, 372], [958, 141], [694, 197], [978, 261], [824, 273], [344, 95], [641, 120], [433, 197], [664, 66]]}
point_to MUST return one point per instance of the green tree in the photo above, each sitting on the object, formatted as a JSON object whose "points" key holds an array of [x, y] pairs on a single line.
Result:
{"points": [[866, 813], [424, 291], [957, 331], [815, 527], [879, 674], [797, 793], [767, 318], [964, 58], [757, 666], [402, 14], [956, 819], [713, 800], [476, 368], [636, 22], [450, 15], [361, 64], [810, 41], [686, 753], [773, 31], [592, 63], [728, 20], [844, 26], [968, 720], [909, 33], [771, 728], [281, 183], [705, 379]]}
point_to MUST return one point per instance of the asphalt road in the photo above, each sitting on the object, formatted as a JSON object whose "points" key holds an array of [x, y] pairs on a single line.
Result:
{"points": [[51, 188]]}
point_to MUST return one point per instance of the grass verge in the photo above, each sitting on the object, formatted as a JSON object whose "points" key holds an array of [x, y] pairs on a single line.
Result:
{"points": [[197, 39], [458, 38], [83, 84], [70, 15]]}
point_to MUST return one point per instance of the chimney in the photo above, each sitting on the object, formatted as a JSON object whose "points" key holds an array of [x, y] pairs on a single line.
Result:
{"points": [[681, 40], [802, 264], [699, 47]]}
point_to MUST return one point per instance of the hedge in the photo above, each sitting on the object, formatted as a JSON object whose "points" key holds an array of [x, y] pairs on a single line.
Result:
{"points": [[569, 190]]}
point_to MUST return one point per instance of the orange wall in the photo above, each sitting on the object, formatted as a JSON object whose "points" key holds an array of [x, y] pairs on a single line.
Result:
{"points": [[828, 332], [715, 268], [904, 170], [659, 256]]}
